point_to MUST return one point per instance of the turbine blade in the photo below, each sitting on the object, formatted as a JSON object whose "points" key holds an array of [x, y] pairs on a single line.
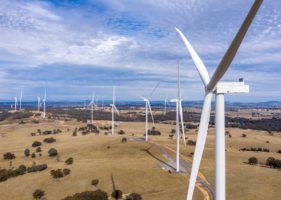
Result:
{"points": [[150, 112], [201, 68], [152, 92], [200, 143], [116, 109], [233, 48], [182, 124]]}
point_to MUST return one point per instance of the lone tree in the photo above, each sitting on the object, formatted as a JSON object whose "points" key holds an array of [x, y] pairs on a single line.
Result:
{"points": [[38, 194], [52, 152], [26, 152], [253, 160], [9, 156]]}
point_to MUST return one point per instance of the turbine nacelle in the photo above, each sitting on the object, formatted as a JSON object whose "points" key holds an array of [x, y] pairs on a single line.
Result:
{"points": [[232, 87]]}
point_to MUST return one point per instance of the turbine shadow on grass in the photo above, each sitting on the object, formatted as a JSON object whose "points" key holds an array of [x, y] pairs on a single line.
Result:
{"points": [[158, 159]]}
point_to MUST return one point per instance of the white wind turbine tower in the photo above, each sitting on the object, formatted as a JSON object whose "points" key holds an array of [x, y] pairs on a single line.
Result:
{"points": [[92, 103], [214, 86], [179, 116], [44, 104], [148, 107], [38, 104], [20, 99], [113, 110], [16, 102]]}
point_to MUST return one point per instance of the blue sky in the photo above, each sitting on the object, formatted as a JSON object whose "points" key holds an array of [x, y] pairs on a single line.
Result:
{"points": [[77, 46]]}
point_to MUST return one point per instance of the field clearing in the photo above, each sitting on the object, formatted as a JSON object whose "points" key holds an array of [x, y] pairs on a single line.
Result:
{"points": [[132, 168]]}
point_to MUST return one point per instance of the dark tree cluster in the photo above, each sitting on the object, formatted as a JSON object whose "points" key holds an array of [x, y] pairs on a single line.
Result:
{"points": [[16, 115], [191, 143], [37, 168], [52, 152], [59, 173], [105, 128], [38, 194], [88, 195], [134, 196], [49, 140], [121, 132], [69, 161], [36, 144], [90, 128], [55, 131], [153, 131], [253, 160], [258, 149], [273, 124], [9, 156], [274, 163], [21, 170]]}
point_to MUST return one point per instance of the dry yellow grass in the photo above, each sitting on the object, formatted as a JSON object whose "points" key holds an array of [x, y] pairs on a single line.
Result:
{"points": [[132, 168]]}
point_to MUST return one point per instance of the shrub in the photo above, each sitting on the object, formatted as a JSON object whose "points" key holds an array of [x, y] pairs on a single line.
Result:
{"points": [[243, 135], [38, 194], [270, 161], [33, 155], [49, 140], [95, 182], [56, 173], [37, 168], [22, 169], [69, 161], [279, 151], [52, 152], [33, 134], [153, 132], [134, 196], [3, 175], [124, 140], [117, 194], [38, 149], [9, 156], [66, 172], [121, 132], [36, 144], [26, 152], [74, 132], [253, 160], [191, 142], [89, 195]]}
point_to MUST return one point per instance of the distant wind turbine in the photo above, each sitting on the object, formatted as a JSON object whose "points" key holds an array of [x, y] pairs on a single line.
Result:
{"points": [[148, 107], [92, 103], [20, 99], [44, 104], [113, 110], [212, 85], [179, 115], [38, 104], [16, 102]]}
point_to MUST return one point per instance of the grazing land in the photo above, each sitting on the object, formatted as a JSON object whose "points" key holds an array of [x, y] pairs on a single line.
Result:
{"points": [[132, 166]]}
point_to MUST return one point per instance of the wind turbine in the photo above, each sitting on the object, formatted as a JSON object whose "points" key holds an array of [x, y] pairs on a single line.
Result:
{"points": [[16, 102], [38, 104], [148, 107], [179, 116], [44, 104], [92, 103], [20, 99], [212, 85], [113, 108]]}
